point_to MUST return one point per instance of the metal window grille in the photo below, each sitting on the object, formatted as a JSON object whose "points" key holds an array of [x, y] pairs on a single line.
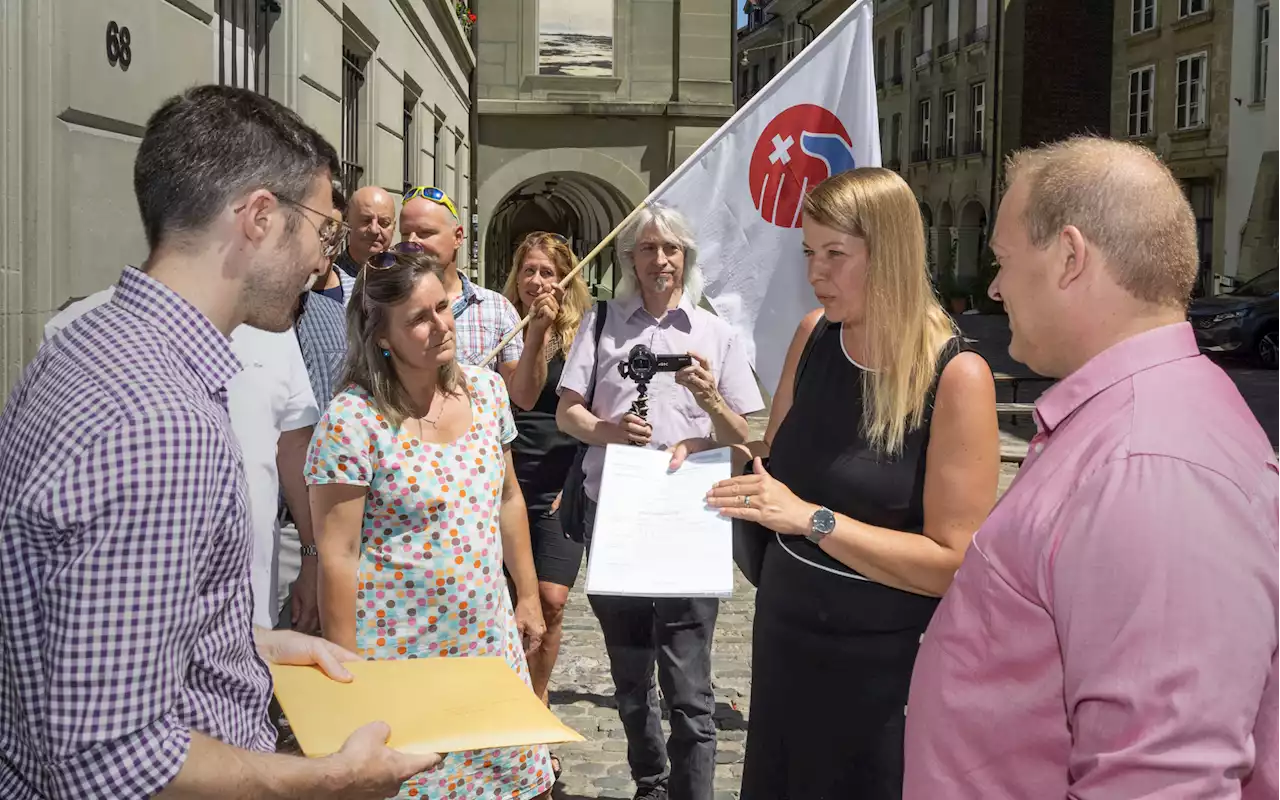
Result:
{"points": [[244, 43], [352, 87], [409, 145]]}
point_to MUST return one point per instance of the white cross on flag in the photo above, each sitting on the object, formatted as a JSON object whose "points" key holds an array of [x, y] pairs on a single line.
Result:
{"points": [[742, 190]]}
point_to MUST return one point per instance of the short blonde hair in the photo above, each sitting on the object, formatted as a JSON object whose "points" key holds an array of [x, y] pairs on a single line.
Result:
{"points": [[576, 297], [1124, 201], [906, 326]]}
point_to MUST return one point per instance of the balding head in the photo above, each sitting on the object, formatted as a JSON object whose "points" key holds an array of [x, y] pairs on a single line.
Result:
{"points": [[433, 226], [1096, 243], [371, 215], [1124, 201]]}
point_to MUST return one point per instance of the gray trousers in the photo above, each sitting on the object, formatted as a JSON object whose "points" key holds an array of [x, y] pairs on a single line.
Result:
{"points": [[672, 635]]}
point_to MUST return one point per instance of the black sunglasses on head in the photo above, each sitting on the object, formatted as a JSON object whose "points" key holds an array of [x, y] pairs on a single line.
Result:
{"points": [[539, 234], [387, 258]]}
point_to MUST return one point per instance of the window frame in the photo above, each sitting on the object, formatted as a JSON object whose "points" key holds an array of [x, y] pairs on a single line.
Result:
{"points": [[1139, 9], [978, 115], [949, 120], [355, 82], [1261, 50], [1187, 8], [1183, 107], [924, 111], [1135, 115]]}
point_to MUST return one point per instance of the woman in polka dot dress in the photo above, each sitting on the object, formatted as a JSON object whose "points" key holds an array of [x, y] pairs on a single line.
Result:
{"points": [[416, 507]]}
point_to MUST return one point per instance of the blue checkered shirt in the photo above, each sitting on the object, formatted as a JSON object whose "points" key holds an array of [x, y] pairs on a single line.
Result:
{"points": [[125, 543], [481, 318], [322, 336]]}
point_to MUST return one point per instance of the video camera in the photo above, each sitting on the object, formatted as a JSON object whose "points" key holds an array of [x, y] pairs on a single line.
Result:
{"points": [[641, 365]]}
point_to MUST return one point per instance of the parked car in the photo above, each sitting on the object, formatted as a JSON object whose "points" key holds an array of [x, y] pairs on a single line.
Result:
{"points": [[1242, 321]]}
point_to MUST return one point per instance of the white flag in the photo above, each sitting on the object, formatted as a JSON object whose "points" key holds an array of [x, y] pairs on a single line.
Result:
{"points": [[742, 190]]}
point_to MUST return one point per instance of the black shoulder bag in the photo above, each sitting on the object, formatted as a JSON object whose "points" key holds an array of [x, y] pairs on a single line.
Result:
{"points": [[573, 498], [750, 539]]}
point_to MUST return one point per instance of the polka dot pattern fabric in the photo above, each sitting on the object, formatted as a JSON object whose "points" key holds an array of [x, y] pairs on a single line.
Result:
{"points": [[430, 580]]}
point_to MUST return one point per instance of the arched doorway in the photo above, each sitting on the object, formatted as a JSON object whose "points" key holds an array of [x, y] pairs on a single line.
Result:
{"points": [[971, 238], [926, 214], [579, 207], [945, 240], [585, 192]]}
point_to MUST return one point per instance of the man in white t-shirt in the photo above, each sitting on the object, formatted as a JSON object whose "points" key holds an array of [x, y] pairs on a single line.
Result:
{"points": [[272, 412]]}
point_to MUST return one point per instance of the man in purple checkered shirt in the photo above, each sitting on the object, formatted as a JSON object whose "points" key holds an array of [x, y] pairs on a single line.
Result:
{"points": [[128, 664]]}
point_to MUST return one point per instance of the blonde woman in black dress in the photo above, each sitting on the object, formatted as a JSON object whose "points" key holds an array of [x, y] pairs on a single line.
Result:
{"points": [[880, 461]]}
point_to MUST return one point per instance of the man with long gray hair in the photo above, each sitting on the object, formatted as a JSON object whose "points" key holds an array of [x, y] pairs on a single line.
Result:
{"points": [[1112, 630], [657, 305]]}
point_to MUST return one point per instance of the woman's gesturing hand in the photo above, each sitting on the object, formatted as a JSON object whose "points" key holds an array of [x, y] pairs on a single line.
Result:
{"points": [[759, 498]]}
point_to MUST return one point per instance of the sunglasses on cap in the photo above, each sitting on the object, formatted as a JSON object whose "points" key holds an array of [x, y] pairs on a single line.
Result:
{"points": [[387, 258], [433, 194]]}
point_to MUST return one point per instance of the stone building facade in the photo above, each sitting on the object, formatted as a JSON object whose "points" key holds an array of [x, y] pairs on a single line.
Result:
{"points": [[1171, 91], [585, 106], [386, 81], [959, 85]]}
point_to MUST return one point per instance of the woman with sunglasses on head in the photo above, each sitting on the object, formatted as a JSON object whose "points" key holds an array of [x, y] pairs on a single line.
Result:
{"points": [[417, 510], [544, 455]]}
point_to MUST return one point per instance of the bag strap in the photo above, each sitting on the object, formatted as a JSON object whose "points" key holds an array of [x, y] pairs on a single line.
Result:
{"points": [[814, 335], [602, 311]]}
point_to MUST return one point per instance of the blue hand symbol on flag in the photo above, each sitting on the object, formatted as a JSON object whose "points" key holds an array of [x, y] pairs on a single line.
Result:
{"points": [[829, 148]]}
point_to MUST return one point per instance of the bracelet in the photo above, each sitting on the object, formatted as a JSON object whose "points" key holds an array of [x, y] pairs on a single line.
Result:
{"points": [[310, 550]]}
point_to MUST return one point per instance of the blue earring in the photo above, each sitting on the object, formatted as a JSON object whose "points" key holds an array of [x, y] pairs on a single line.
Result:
{"points": [[386, 353]]}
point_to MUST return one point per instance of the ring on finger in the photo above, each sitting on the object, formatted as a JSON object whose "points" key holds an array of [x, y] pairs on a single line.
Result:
{"points": [[746, 501]]}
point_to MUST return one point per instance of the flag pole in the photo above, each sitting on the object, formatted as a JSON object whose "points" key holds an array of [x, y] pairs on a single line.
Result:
{"points": [[613, 234]]}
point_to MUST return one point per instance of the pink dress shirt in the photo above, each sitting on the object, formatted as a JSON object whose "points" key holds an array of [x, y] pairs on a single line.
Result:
{"points": [[1112, 631], [673, 412]]}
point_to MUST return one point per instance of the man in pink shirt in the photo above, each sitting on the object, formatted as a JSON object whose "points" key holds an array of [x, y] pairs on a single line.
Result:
{"points": [[1112, 632]]}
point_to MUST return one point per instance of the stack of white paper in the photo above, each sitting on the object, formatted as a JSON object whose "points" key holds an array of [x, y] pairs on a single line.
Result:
{"points": [[654, 535]]}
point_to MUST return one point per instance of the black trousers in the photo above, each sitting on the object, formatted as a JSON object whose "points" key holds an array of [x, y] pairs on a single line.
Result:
{"points": [[672, 635]]}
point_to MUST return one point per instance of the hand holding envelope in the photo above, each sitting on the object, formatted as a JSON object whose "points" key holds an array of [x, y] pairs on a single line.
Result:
{"points": [[433, 705], [366, 766]]}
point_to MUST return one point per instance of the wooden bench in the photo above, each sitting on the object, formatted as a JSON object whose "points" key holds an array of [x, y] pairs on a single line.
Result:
{"points": [[1014, 381], [1015, 408]]}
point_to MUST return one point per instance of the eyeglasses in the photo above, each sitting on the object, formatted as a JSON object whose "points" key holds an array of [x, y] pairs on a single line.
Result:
{"points": [[433, 194], [332, 232], [387, 258], [528, 237]]}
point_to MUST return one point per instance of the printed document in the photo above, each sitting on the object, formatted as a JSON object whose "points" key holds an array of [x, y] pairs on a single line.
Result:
{"points": [[654, 535]]}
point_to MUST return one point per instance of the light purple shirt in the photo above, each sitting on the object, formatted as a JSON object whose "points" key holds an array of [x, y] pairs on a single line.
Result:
{"points": [[1111, 634], [673, 412]]}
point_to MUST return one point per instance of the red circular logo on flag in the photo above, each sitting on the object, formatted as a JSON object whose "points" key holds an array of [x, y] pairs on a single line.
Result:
{"points": [[798, 149]]}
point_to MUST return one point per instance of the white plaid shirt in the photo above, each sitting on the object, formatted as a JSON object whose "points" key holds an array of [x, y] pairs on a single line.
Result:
{"points": [[125, 544], [482, 318]]}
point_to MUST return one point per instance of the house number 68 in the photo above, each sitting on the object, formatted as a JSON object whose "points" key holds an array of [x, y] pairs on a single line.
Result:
{"points": [[118, 51]]}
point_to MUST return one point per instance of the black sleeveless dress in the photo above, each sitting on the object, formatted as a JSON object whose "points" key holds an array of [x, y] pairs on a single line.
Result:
{"points": [[832, 652], [543, 456]]}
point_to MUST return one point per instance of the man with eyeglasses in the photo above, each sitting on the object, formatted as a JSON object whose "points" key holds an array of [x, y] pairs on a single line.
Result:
{"points": [[132, 668], [482, 317]]}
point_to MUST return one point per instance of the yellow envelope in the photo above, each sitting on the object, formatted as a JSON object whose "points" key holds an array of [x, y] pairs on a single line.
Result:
{"points": [[433, 705]]}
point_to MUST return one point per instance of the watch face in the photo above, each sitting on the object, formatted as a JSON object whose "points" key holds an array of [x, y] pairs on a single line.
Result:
{"points": [[823, 521]]}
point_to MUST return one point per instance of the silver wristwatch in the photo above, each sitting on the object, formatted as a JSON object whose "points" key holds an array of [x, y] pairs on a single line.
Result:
{"points": [[310, 550], [821, 523]]}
